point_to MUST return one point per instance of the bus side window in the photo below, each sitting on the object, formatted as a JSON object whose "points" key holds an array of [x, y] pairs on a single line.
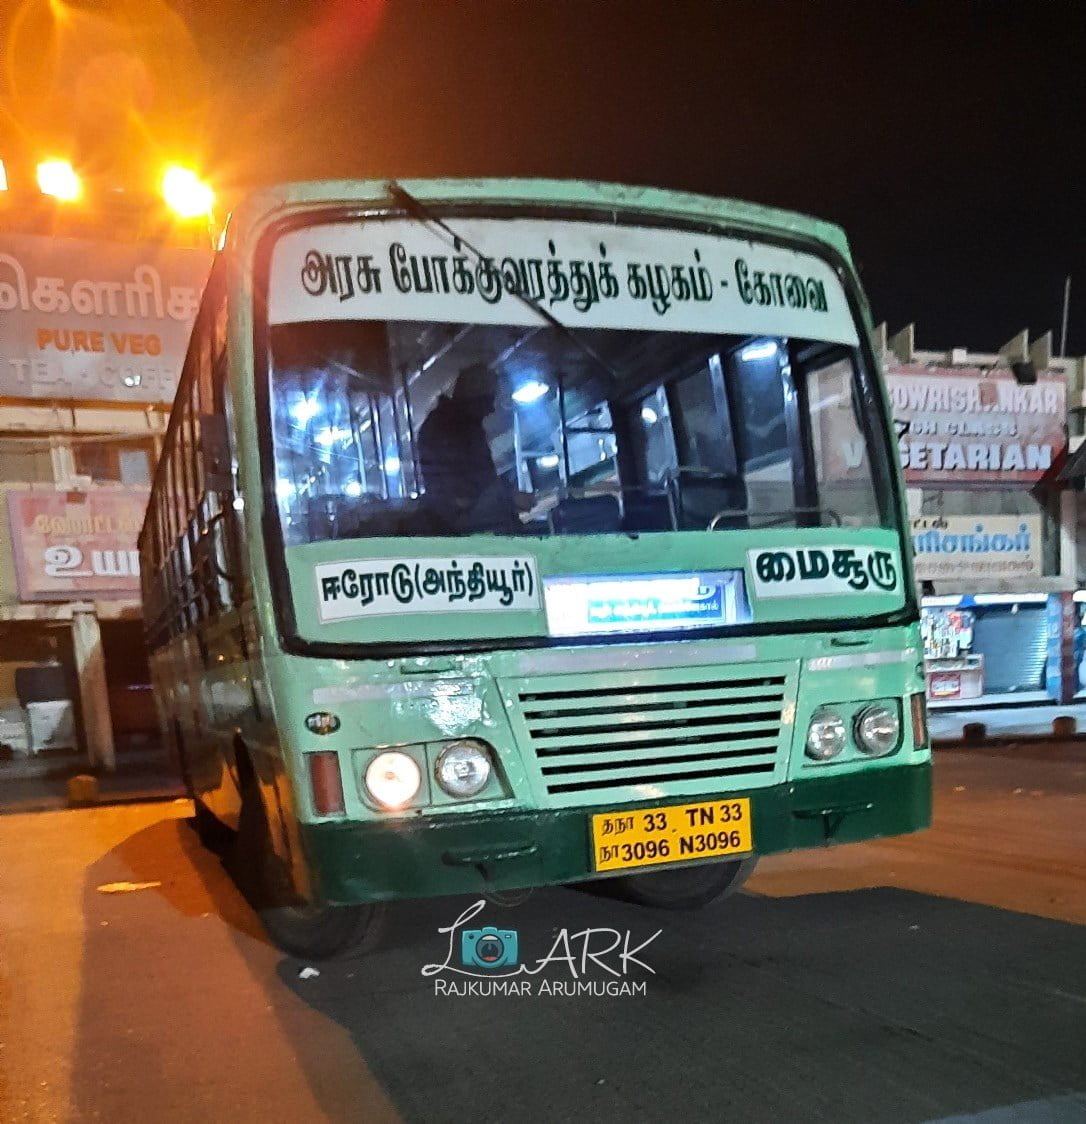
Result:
{"points": [[709, 481], [842, 478], [756, 378]]}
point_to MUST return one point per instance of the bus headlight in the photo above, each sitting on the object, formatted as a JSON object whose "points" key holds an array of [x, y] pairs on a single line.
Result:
{"points": [[393, 779], [825, 735], [877, 729], [463, 768]]}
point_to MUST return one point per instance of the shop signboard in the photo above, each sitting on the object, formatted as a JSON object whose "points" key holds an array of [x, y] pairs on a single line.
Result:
{"points": [[73, 545], [977, 549], [955, 426], [945, 685], [969, 426], [100, 321]]}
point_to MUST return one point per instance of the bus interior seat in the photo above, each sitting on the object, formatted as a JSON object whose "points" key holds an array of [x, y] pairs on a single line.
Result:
{"points": [[586, 515], [343, 517], [647, 511], [702, 496]]}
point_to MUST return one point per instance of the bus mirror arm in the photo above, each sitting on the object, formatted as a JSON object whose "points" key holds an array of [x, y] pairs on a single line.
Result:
{"points": [[218, 518], [215, 453]]}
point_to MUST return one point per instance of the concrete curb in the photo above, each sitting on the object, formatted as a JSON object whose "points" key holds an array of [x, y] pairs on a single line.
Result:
{"points": [[1006, 740]]}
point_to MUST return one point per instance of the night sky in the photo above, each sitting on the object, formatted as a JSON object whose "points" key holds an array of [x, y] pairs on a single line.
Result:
{"points": [[949, 139]]}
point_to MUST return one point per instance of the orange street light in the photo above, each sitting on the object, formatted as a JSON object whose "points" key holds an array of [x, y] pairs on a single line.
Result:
{"points": [[185, 193], [58, 179]]}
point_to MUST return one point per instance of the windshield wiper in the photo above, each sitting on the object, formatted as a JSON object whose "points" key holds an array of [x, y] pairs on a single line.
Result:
{"points": [[415, 206], [420, 210]]}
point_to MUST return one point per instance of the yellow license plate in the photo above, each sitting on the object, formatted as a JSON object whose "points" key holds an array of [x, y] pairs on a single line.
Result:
{"points": [[622, 840]]}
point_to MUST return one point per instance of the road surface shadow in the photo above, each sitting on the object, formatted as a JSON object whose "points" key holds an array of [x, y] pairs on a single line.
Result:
{"points": [[873, 1005]]}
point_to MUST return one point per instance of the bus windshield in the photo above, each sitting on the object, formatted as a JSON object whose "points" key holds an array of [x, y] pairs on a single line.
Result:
{"points": [[423, 428]]}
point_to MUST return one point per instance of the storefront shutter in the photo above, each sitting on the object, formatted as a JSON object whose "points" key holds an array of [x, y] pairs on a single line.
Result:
{"points": [[1013, 646]]}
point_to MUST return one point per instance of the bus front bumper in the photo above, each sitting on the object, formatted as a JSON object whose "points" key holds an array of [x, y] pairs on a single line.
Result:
{"points": [[462, 854]]}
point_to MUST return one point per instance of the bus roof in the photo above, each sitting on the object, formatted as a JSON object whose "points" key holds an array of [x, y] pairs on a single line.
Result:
{"points": [[250, 216]]}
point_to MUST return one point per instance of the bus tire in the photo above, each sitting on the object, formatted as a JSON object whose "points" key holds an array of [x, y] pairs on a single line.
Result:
{"points": [[302, 929], [327, 932], [688, 887]]}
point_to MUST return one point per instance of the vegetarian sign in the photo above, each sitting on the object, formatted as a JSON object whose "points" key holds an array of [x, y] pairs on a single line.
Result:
{"points": [[95, 320], [968, 426]]}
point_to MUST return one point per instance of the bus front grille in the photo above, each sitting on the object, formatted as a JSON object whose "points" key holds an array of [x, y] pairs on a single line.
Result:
{"points": [[678, 732]]}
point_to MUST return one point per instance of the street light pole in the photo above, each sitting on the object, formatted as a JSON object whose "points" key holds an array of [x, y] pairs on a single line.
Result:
{"points": [[1066, 306]]}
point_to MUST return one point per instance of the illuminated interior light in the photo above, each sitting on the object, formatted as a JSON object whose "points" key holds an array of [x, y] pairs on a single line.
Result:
{"points": [[58, 179], [284, 489], [330, 435], [3, 177], [649, 415], [763, 350], [304, 411], [549, 461], [353, 489], [530, 392], [185, 193], [392, 464]]}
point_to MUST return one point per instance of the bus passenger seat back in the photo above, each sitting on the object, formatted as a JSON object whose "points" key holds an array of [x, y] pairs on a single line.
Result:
{"points": [[647, 511], [587, 515]]}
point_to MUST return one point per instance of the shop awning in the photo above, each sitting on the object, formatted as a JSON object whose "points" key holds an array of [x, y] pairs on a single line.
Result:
{"points": [[1074, 467]]}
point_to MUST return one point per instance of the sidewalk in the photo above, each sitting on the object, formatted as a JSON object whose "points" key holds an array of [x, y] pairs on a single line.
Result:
{"points": [[40, 784], [1004, 722]]}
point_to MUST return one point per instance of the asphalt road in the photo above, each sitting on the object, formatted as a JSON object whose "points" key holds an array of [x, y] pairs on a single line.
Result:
{"points": [[937, 977]]}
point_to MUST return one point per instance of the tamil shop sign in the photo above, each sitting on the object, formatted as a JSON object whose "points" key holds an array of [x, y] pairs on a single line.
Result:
{"points": [[963, 425], [977, 548], [69, 545], [95, 320]]}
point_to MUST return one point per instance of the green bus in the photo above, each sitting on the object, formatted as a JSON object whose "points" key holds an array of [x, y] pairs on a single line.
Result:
{"points": [[512, 533]]}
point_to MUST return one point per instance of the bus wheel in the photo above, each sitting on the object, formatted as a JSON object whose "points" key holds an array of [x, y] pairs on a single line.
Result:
{"points": [[311, 932], [302, 929], [689, 887]]}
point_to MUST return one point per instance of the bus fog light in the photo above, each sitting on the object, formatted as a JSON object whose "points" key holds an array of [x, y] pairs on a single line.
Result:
{"points": [[877, 729], [463, 768], [825, 735], [393, 779]]}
